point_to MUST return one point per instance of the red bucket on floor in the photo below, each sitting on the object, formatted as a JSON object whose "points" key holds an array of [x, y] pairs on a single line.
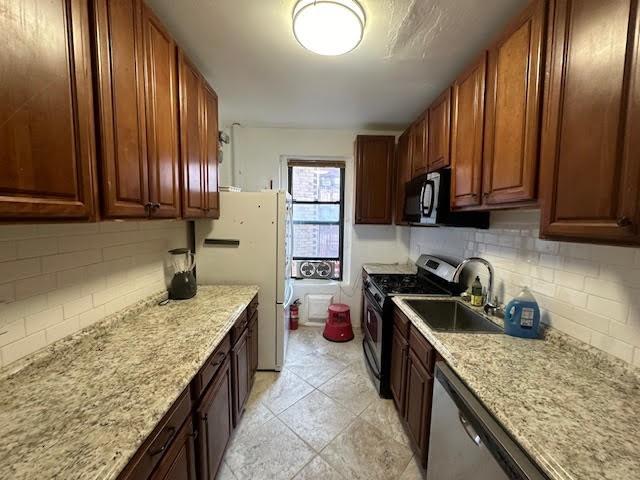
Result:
{"points": [[338, 327]]}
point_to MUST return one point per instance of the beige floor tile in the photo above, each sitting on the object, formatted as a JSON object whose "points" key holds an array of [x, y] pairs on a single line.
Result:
{"points": [[351, 389], [414, 471], [318, 469], [347, 352], [284, 392], [272, 452], [383, 415], [255, 415], [225, 473], [315, 368], [363, 452], [317, 419]]}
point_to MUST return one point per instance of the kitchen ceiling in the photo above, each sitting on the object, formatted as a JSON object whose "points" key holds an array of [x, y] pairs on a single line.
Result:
{"points": [[411, 50]]}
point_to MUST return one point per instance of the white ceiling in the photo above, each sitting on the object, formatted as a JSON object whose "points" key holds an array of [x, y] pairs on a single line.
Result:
{"points": [[411, 50]]}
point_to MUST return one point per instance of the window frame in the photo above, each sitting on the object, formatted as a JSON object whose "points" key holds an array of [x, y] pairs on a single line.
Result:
{"points": [[340, 221]]}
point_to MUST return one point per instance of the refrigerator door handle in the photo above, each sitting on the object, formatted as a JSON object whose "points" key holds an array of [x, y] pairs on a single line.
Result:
{"points": [[288, 296]]}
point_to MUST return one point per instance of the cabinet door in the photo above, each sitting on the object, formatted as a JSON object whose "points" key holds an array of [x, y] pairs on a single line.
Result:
{"points": [[240, 368], [398, 374], [162, 117], [178, 463], [591, 135], [121, 108], [467, 132], [419, 145], [440, 132], [418, 404], [253, 348], [513, 109], [192, 139], [47, 138], [403, 174], [215, 420], [211, 153], [374, 179]]}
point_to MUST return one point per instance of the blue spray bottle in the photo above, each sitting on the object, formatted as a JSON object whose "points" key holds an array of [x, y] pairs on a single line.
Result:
{"points": [[522, 316]]}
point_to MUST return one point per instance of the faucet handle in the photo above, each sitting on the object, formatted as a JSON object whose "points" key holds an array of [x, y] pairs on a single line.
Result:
{"points": [[494, 308]]}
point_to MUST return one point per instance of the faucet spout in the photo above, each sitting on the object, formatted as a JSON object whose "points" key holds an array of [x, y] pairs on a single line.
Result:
{"points": [[490, 304]]}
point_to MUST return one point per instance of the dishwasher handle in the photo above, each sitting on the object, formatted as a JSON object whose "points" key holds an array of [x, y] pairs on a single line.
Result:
{"points": [[468, 429]]}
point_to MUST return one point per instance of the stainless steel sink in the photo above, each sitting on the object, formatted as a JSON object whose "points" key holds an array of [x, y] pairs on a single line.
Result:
{"points": [[451, 316]]}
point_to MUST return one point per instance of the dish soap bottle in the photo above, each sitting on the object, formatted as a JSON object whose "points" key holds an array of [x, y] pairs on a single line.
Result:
{"points": [[476, 293], [522, 316]]}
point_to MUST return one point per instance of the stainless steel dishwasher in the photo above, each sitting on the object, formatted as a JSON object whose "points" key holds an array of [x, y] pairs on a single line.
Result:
{"points": [[466, 442]]}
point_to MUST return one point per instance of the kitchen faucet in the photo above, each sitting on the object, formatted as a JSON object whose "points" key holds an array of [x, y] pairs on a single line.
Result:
{"points": [[491, 305]]}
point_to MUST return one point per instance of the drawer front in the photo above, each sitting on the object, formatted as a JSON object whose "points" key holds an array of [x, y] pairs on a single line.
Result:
{"points": [[422, 349], [401, 322], [252, 307], [239, 327], [211, 366], [155, 446]]}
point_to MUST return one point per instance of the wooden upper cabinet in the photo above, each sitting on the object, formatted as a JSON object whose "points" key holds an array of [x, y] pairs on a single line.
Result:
{"points": [[212, 206], [161, 77], [467, 130], [591, 134], [419, 133], [374, 179], [403, 174], [514, 88], [47, 143], [440, 132], [121, 108]]}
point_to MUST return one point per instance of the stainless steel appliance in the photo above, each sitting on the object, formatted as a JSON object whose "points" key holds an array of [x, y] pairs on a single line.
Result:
{"points": [[466, 442], [434, 277], [427, 200]]}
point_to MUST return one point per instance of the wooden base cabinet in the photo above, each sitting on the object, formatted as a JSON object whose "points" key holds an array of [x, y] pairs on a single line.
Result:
{"points": [[47, 137], [591, 137], [178, 462], [214, 420], [418, 404], [240, 367], [398, 374], [253, 348]]}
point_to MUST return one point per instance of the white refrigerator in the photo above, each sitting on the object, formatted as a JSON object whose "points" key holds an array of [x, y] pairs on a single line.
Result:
{"points": [[251, 244]]}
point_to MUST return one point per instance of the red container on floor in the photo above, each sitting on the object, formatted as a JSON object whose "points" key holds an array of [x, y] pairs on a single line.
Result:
{"points": [[338, 327]]}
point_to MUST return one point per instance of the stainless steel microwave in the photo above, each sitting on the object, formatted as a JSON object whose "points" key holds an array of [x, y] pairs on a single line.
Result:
{"points": [[427, 203]]}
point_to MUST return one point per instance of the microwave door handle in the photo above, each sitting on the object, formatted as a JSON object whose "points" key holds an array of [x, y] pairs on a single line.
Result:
{"points": [[429, 211]]}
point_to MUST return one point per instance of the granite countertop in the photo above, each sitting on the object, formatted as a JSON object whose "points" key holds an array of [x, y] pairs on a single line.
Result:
{"points": [[572, 408], [390, 268], [81, 408]]}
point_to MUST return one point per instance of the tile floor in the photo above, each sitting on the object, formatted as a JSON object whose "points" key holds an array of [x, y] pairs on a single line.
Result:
{"points": [[320, 418]]}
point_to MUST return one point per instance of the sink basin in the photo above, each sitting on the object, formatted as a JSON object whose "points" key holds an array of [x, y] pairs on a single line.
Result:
{"points": [[451, 316]]}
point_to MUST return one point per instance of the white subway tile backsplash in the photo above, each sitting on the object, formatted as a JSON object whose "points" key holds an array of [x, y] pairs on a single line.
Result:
{"points": [[591, 292], [51, 294]]}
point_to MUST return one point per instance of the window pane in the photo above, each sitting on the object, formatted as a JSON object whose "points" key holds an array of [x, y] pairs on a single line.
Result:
{"points": [[316, 184], [316, 241], [316, 213]]}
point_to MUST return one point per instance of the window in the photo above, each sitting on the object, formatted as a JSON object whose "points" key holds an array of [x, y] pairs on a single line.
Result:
{"points": [[317, 189]]}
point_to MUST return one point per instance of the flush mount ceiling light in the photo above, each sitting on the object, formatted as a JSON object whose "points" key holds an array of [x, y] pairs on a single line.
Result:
{"points": [[328, 27]]}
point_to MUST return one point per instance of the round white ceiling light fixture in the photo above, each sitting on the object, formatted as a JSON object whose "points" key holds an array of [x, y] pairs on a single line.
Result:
{"points": [[328, 27]]}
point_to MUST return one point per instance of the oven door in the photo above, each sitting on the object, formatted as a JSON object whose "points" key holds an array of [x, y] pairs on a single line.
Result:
{"points": [[372, 341]]}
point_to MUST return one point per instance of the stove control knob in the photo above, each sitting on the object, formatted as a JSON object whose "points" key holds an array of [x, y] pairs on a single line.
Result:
{"points": [[377, 297]]}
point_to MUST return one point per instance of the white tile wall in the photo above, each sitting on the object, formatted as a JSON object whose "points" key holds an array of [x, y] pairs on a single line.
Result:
{"points": [[56, 279], [591, 292]]}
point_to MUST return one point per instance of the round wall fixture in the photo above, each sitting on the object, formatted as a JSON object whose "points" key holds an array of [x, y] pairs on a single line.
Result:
{"points": [[328, 27]]}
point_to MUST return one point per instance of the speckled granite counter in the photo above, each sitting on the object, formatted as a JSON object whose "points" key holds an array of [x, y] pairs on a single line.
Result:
{"points": [[390, 268], [574, 410], [81, 408]]}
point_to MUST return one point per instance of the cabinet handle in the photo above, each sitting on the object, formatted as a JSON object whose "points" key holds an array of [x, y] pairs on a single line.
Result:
{"points": [[485, 194], [194, 435], [170, 432], [155, 206], [218, 359], [624, 222]]}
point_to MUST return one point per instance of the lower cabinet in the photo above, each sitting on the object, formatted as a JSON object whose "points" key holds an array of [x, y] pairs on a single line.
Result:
{"points": [[253, 348], [214, 420], [240, 366], [399, 347], [179, 461], [418, 404]]}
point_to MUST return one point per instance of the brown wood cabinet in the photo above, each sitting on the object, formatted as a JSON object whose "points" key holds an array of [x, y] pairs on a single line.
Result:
{"points": [[418, 404], [591, 134], [199, 142], [404, 174], [214, 420], [419, 132], [137, 111], [514, 88], [398, 371], [240, 362], [374, 179], [253, 348], [178, 463], [467, 131], [440, 132], [47, 138]]}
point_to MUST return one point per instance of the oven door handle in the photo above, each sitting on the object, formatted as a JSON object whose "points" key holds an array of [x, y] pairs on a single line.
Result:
{"points": [[366, 356]]}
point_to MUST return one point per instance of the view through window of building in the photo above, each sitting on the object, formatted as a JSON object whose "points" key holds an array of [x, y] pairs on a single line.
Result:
{"points": [[318, 211]]}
